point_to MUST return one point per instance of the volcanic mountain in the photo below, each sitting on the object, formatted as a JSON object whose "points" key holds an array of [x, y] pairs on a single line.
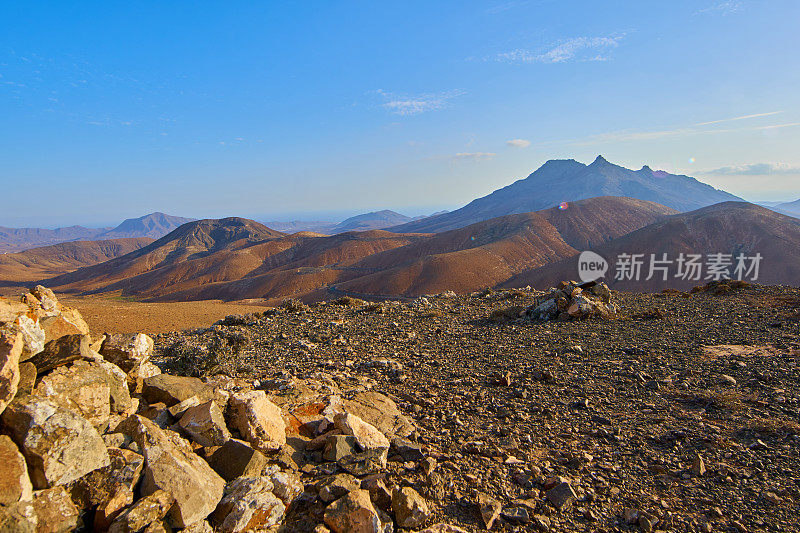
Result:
{"points": [[567, 180], [48, 261], [233, 259], [728, 228], [154, 226], [373, 220]]}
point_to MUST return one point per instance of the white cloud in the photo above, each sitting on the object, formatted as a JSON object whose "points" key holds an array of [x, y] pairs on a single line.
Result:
{"points": [[726, 7], [473, 156], [578, 48], [755, 169], [414, 105], [518, 143]]}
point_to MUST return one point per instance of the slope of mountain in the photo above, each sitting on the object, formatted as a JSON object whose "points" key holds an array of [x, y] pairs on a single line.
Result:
{"points": [[727, 228], [567, 180], [234, 259], [154, 226], [48, 261]]}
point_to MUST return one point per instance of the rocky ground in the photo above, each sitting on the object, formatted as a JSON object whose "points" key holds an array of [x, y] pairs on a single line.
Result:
{"points": [[681, 413], [570, 410]]}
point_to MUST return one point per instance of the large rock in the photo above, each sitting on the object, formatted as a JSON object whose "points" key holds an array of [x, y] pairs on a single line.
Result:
{"points": [[367, 436], [149, 510], [32, 336], [18, 518], [69, 322], [97, 488], [410, 509], [82, 387], [332, 488], [206, 424], [172, 466], [10, 352], [47, 300], [248, 505], [286, 486], [171, 390], [15, 485], [258, 420], [380, 411], [62, 351], [55, 511], [60, 445], [353, 513], [127, 351], [237, 458]]}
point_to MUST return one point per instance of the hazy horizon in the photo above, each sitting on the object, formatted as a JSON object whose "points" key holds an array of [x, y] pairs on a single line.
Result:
{"points": [[280, 112]]}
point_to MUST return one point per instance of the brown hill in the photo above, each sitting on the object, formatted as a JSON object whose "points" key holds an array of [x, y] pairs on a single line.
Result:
{"points": [[234, 259], [48, 261], [728, 228], [487, 253]]}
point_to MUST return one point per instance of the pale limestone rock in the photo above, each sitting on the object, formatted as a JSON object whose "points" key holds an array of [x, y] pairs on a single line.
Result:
{"points": [[101, 485], [367, 436], [148, 510], [171, 465], [248, 505], [15, 485], [109, 510], [60, 446], [172, 390], [55, 511], [286, 486], [127, 351], [237, 458], [258, 420], [10, 351], [81, 387], [19, 517], [32, 336], [410, 509], [353, 513], [62, 351], [69, 322], [206, 424], [47, 299]]}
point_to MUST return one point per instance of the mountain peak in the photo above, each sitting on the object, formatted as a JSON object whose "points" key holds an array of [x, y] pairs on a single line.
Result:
{"points": [[599, 160], [645, 167]]}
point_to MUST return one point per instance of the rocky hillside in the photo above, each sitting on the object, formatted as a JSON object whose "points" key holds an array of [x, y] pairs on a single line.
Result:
{"points": [[559, 181], [635, 412]]}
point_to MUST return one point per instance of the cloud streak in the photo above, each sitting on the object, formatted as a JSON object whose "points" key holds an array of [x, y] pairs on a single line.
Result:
{"points": [[743, 117], [473, 156], [518, 143], [414, 105], [726, 7], [575, 49], [756, 169]]}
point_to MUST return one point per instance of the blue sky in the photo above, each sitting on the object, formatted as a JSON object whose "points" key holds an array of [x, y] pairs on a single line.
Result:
{"points": [[278, 110]]}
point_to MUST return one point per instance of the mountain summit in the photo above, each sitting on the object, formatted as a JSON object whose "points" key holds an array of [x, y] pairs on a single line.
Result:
{"points": [[567, 180]]}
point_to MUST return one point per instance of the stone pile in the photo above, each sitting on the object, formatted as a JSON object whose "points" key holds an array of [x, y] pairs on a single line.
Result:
{"points": [[95, 437], [571, 301]]}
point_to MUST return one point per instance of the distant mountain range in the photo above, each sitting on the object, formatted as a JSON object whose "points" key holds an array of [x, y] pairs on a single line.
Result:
{"points": [[567, 180], [152, 226], [789, 208], [234, 258], [364, 222]]}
